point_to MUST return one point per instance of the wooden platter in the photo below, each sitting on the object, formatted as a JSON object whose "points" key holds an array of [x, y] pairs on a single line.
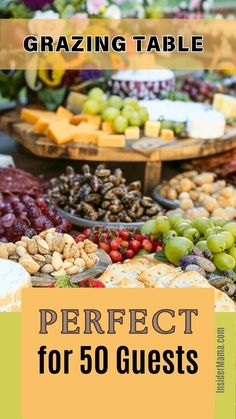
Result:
{"points": [[156, 150]]}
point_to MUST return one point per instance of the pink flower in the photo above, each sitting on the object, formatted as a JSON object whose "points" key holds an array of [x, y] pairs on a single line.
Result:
{"points": [[95, 6]]}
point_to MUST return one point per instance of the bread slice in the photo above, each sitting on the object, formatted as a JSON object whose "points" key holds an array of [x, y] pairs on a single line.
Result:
{"points": [[190, 279], [165, 280], [152, 275], [121, 276], [223, 302], [126, 275]]}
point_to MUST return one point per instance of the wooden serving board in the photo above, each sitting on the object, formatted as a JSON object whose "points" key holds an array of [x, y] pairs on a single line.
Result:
{"points": [[135, 151]]}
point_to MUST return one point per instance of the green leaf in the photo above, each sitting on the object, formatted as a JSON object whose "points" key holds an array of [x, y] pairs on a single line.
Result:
{"points": [[52, 98], [161, 257]]}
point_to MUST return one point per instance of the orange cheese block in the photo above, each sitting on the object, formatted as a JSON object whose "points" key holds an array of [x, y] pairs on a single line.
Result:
{"points": [[32, 115], [107, 127], [95, 120], [43, 122], [77, 119], [132, 133], [86, 126], [106, 140], [61, 111], [61, 132], [167, 134], [87, 137]]}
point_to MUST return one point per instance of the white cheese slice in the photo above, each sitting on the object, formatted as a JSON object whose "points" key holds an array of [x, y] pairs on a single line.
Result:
{"points": [[13, 278]]}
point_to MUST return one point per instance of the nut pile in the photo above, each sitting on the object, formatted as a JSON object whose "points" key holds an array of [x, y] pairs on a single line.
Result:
{"points": [[51, 253], [102, 196], [201, 195]]}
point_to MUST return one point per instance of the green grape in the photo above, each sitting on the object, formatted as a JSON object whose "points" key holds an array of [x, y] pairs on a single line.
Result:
{"points": [[231, 227], [169, 235], [132, 102], [115, 102], [127, 111], [96, 93], [167, 125], [177, 247], [162, 223], [174, 219], [150, 227], [213, 230], [109, 114], [202, 245], [228, 238], [216, 243], [120, 124], [192, 234], [202, 224], [135, 120], [222, 261], [181, 226], [92, 107], [232, 252], [218, 221], [143, 114]]}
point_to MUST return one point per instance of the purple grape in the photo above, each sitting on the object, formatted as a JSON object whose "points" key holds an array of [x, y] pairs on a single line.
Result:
{"points": [[8, 220]]}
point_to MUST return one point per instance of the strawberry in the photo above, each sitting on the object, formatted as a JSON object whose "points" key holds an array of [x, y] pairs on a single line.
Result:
{"points": [[91, 283]]}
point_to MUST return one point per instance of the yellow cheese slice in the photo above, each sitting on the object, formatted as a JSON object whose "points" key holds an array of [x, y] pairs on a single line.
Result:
{"points": [[132, 133], [43, 122], [61, 111], [152, 128], [32, 115], [61, 132], [106, 140]]}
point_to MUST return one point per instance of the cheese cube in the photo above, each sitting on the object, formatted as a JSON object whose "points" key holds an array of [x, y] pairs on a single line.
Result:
{"points": [[32, 115], [86, 126], [77, 119], [225, 104], [107, 127], [61, 111], [87, 137], [167, 134], [106, 140], [132, 133], [61, 132], [43, 122], [95, 120], [152, 128]]}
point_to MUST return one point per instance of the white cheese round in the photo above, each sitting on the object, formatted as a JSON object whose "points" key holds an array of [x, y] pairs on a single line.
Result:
{"points": [[13, 278], [206, 125]]}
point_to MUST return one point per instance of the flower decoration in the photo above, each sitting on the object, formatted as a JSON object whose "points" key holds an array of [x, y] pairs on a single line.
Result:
{"points": [[37, 4]]}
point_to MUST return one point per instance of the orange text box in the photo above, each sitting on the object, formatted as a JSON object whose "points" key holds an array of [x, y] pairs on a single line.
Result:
{"points": [[114, 393]]}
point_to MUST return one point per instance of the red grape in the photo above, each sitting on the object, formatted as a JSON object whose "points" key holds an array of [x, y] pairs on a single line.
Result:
{"points": [[80, 238], [124, 234], [129, 254], [135, 245], [105, 246], [147, 245], [116, 256]]}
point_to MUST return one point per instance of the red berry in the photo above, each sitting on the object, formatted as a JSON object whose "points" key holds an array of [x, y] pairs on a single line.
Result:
{"points": [[105, 246], [125, 244], [138, 237], [159, 248], [115, 243], [51, 285], [147, 245], [124, 234], [135, 245], [95, 238], [87, 232], [105, 236], [80, 238], [91, 283], [129, 254], [116, 256]]}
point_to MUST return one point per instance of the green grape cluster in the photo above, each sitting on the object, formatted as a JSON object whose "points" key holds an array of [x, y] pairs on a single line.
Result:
{"points": [[121, 113], [213, 235]]}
